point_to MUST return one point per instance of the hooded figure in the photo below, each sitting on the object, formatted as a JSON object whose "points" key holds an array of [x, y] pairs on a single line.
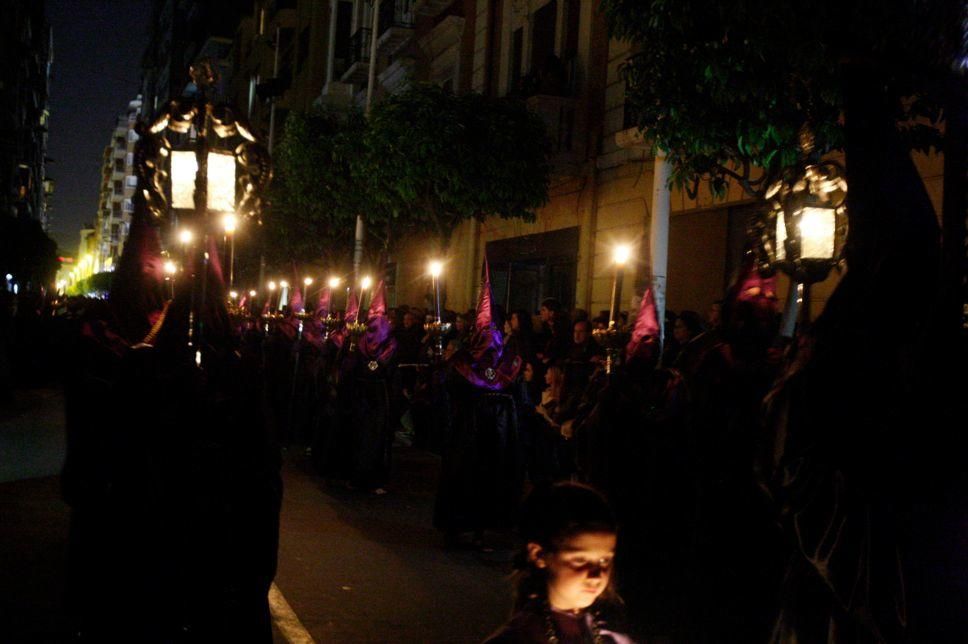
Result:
{"points": [[370, 406], [358, 447], [482, 471], [182, 459]]}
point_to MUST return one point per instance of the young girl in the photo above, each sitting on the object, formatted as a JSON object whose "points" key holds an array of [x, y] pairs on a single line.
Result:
{"points": [[563, 579]]}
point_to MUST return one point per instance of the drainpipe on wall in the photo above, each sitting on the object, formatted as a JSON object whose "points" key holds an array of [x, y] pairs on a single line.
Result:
{"points": [[659, 236], [370, 83]]}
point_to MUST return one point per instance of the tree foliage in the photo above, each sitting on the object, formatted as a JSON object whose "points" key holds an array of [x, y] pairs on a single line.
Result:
{"points": [[27, 252], [724, 88], [433, 159], [315, 196]]}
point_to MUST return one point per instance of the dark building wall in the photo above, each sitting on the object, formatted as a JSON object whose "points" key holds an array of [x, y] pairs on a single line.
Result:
{"points": [[25, 58]]}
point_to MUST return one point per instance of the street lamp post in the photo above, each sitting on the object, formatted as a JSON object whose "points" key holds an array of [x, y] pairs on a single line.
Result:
{"points": [[437, 329], [620, 256], [229, 223], [614, 337]]}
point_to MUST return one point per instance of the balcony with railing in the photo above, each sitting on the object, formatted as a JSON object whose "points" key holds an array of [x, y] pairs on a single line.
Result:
{"points": [[359, 57], [395, 24], [431, 7]]}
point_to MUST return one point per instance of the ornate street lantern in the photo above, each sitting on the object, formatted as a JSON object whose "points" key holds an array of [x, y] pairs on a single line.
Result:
{"points": [[210, 178], [805, 230]]}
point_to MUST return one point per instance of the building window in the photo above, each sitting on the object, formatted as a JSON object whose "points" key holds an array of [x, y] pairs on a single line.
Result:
{"points": [[543, 36], [128, 206], [115, 232], [119, 165], [118, 187], [131, 181], [129, 159], [119, 143], [116, 209]]}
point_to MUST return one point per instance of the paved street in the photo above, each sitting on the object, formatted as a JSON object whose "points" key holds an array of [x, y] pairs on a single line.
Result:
{"points": [[352, 567]]}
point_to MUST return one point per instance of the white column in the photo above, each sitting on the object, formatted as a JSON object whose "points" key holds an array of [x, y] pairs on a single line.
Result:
{"points": [[659, 234]]}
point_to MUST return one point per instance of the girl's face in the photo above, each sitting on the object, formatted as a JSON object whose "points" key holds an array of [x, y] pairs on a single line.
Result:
{"points": [[579, 571], [528, 372]]}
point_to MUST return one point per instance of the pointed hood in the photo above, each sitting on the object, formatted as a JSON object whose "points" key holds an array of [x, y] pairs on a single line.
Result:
{"points": [[644, 343], [378, 306], [485, 315], [483, 362], [324, 303], [296, 301], [377, 343], [137, 290], [752, 290], [243, 301]]}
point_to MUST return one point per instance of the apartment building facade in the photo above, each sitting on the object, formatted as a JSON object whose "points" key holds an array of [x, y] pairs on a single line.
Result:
{"points": [[26, 52], [118, 185], [557, 56]]}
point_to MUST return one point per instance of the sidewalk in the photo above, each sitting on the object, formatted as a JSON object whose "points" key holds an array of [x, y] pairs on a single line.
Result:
{"points": [[353, 567], [32, 442]]}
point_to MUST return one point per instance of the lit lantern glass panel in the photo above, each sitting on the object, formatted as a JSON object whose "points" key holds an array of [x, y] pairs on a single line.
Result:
{"points": [[221, 182], [818, 227], [183, 171], [817, 230]]}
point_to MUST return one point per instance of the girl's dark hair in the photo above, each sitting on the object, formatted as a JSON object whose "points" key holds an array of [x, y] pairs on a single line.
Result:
{"points": [[550, 516]]}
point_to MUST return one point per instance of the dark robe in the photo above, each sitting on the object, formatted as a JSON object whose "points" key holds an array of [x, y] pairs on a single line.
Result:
{"points": [[173, 481], [481, 475]]}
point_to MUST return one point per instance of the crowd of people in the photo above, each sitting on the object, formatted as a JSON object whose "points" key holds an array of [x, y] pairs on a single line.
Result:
{"points": [[666, 430]]}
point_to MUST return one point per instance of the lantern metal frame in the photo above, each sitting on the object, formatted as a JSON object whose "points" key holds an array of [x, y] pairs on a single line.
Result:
{"points": [[819, 187], [213, 126]]}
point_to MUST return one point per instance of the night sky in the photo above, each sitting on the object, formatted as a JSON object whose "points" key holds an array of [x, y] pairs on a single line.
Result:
{"points": [[97, 55]]}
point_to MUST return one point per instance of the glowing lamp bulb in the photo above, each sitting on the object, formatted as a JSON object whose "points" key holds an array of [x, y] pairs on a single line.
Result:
{"points": [[334, 282], [621, 254], [252, 293], [366, 282], [307, 281], [185, 236], [234, 295], [272, 286], [284, 284], [436, 268], [170, 267], [230, 222]]}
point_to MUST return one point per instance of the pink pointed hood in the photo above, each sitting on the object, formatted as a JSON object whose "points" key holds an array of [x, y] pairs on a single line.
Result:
{"points": [[296, 301], [377, 344], [645, 334], [483, 362]]}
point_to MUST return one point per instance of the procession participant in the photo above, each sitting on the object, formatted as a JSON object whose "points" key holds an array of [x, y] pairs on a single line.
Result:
{"points": [[564, 589], [174, 490], [370, 402], [481, 474], [333, 462]]}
